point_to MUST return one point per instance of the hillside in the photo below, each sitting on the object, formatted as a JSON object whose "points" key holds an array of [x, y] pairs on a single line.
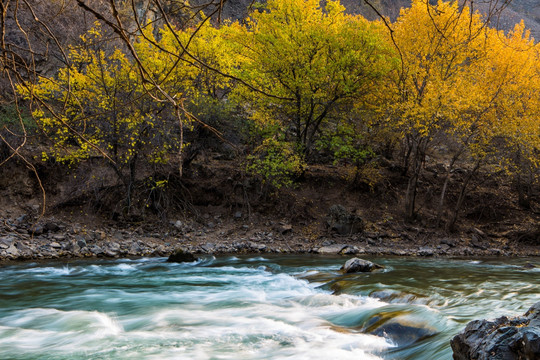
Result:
{"points": [[505, 19]]}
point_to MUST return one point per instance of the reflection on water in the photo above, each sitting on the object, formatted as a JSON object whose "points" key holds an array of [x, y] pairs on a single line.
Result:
{"points": [[287, 307]]}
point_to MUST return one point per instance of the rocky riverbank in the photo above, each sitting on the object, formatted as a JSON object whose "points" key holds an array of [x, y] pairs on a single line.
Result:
{"points": [[24, 238]]}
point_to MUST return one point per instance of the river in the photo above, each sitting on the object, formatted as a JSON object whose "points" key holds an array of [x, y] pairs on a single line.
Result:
{"points": [[271, 307]]}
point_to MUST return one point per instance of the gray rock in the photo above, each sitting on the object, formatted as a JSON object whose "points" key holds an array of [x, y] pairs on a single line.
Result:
{"points": [[135, 249], [51, 226], [109, 253], [6, 242], [344, 222], [350, 250], [208, 247], [81, 242], [356, 265], [113, 250], [12, 251], [178, 224], [36, 230], [533, 313], [449, 242], [95, 250], [331, 249], [113, 246], [160, 250], [501, 339], [425, 251], [238, 215], [55, 245], [257, 247]]}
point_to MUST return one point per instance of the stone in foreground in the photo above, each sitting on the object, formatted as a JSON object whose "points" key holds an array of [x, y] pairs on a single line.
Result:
{"points": [[501, 339], [356, 265], [180, 256]]}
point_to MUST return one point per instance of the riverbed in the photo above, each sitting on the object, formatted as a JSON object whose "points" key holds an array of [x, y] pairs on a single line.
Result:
{"points": [[253, 307]]}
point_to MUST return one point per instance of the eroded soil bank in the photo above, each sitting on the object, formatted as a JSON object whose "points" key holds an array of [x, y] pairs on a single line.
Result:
{"points": [[216, 209]]}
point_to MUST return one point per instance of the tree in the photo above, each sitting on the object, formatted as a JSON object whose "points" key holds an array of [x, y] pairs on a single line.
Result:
{"points": [[438, 44], [100, 106], [301, 66]]}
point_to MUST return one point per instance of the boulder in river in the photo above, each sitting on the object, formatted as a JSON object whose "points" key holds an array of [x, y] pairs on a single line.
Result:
{"points": [[500, 339], [356, 265], [180, 256]]}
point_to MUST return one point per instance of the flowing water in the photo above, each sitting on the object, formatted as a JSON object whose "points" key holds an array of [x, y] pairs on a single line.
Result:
{"points": [[287, 307]]}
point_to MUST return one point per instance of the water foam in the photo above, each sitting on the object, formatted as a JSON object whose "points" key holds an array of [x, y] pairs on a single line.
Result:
{"points": [[215, 309]]}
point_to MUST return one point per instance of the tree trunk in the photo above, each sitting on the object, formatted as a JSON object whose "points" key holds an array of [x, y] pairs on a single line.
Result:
{"points": [[131, 184], [412, 186], [440, 210], [463, 191], [523, 199]]}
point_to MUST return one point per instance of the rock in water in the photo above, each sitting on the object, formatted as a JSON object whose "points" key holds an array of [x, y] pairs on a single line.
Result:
{"points": [[501, 339], [404, 334], [180, 256], [356, 265]]}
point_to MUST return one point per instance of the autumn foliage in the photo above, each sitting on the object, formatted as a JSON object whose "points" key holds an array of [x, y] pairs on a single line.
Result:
{"points": [[310, 84]]}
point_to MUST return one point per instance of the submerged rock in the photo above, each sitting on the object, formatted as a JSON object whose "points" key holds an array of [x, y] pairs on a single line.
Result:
{"points": [[180, 256], [501, 339], [356, 265], [402, 333], [399, 326], [399, 297]]}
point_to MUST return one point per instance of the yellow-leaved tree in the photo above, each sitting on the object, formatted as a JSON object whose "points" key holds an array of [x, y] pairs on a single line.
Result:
{"points": [[438, 44], [468, 88], [100, 106], [302, 67]]}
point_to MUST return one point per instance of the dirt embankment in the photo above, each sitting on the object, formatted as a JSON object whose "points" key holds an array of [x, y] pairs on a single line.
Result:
{"points": [[216, 209]]}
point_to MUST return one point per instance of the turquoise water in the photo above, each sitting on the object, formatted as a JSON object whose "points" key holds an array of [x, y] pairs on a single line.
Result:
{"points": [[287, 307]]}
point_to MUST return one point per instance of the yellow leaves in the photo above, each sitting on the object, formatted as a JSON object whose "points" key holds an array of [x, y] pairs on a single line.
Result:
{"points": [[99, 104], [306, 62], [303, 71], [438, 44], [466, 80]]}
